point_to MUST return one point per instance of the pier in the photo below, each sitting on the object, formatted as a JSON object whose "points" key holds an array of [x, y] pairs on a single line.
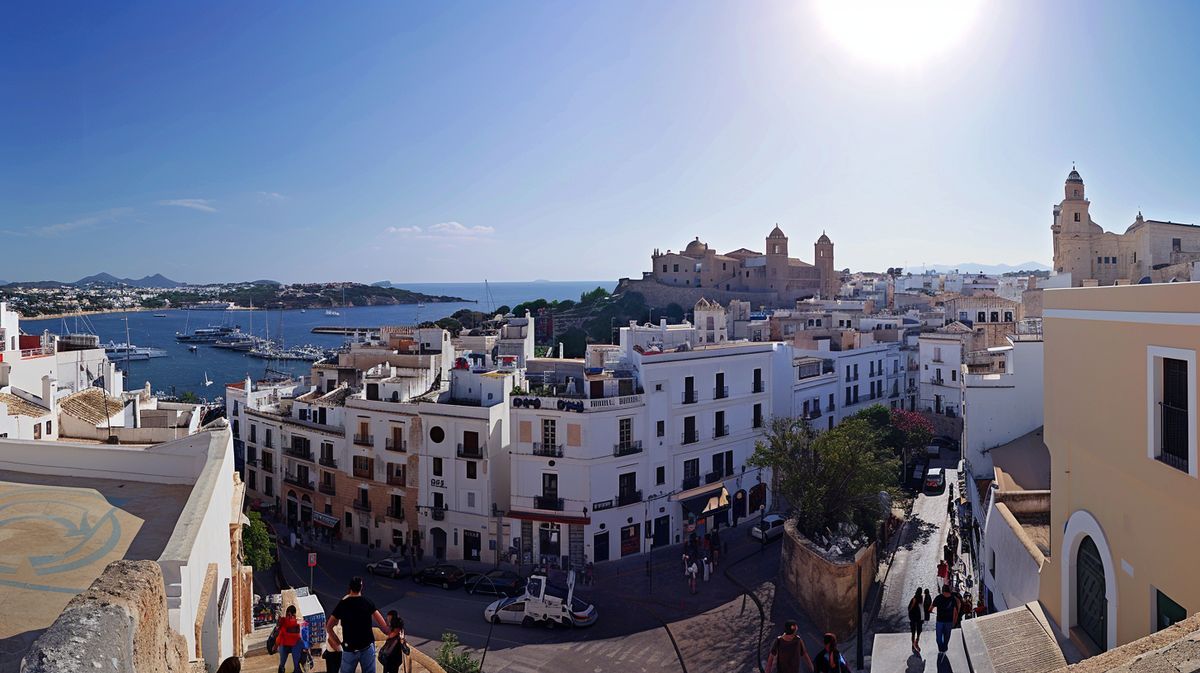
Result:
{"points": [[345, 331]]}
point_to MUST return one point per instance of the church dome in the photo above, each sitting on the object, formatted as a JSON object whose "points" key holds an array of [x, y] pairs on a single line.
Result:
{"points": [[1073, 176], [777, 233], [824, 239], [695, 247]]}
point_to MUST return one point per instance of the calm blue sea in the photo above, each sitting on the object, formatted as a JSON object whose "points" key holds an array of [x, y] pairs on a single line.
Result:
{"points": [[184, 371]]}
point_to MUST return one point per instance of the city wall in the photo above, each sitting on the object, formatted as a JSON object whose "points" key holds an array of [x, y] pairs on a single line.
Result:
{"points": [[659, 295], [826, 590]]}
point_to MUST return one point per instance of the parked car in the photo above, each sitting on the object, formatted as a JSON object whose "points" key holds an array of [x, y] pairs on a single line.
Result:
{"points": [[916, 477], [935, 480], [769, 528], [944, 442], [516, 610], [509, 610], [443, 575], [395, 567], [495, 583]]}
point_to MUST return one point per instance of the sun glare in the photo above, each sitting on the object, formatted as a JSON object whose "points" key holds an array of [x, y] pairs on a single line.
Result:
{"points": [[897, 33]]}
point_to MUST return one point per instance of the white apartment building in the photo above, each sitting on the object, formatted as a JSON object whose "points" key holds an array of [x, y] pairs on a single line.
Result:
{"points": [[868, 371], [1002, 398], [942, 353]]}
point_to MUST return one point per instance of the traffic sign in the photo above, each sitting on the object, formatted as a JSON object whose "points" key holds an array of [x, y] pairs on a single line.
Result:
{"points": [[312, 559]]}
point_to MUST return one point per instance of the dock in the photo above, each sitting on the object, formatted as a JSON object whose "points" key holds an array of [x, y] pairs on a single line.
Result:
{"points": [[345, 331]]}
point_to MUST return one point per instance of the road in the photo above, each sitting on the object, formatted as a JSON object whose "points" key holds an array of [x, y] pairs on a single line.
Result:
{"points": [[628, 637]]}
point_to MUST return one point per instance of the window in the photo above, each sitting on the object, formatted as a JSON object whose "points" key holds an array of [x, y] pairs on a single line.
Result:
{"points": [[1008, 316], [437, 467], [660, 428], [471, 499], [251, 480], [253, 432], [1077, 216], [660, 475], [49, 427], [758, 419], [848, 397], [992, 565], [1176, 245], [1167, 611], [676, 268], [549, 485], [691, 468], [981, 316], [267, 438], [664, 268], [953, 374], [549, 432], [626, 484], [830, 408], [719, 427], [625, 431], [268, 486], [1099, 260], [472, 469], [1174, 423]]}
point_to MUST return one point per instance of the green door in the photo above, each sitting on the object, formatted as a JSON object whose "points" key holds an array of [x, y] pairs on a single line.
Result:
{"points": [[1091, 606]]}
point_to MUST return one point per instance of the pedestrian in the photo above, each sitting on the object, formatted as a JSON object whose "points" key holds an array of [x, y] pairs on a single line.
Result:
{"points": [[355, 613], [961, 606], [947, 614], [787, 651], [288, 641], [686, 563], [707, 568], [830, 659], [916, 613], [928, 604], [716, 546], [395, 648], [943, 572], [981, 608], [691, 573]]}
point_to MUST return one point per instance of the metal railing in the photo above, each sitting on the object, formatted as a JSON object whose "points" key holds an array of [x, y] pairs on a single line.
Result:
{"points": [[364, 440], [364, 472], [547, 502], [295, 452], [548, 450], [720, 431], [394, 479], [390, 444], [362, 505], [689, 482], [690, 397], [627, 448], [690, 437], [438, 513], [397, 514], [714, 476], [1173, 448], [759, 387], [720, 392], [628, 498], [327, 488], [296, 480], [328, 461], [471, 452]]}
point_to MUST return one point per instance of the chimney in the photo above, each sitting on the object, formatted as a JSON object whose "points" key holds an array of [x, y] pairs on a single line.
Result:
{"points": [[48, 386]]}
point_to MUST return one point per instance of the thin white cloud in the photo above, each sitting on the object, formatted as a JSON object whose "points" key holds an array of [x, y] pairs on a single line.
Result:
{"points": [[456, 229], [203, 205], [271, 196], [61, 228], [403, 230]]}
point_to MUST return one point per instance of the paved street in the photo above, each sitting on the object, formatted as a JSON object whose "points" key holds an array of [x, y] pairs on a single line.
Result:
{"points": [[712, 628]]}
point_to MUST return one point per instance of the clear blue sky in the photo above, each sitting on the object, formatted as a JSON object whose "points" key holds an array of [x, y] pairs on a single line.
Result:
{"points": [[566, 140]]}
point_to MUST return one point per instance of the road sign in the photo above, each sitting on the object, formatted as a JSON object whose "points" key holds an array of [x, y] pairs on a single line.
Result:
{"points": [[312, 559]]}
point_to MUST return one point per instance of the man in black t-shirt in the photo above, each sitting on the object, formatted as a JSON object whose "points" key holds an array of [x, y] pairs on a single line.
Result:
{"points": [[947, 615], [355, 613]]}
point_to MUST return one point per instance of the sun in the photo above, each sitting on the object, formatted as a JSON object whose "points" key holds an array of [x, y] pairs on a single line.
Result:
{"points": [[897, 33]]}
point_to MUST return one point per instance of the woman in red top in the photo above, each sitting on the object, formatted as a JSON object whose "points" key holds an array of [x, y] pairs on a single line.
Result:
{"points": [[288, 640]]}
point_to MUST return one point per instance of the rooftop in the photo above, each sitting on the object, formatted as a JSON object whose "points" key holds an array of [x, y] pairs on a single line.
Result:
{"points": [[91, 405]]}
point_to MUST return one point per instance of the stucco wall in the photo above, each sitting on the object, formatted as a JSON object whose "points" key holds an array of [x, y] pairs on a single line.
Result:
{"points": [[1014, 573], [826, 591]]}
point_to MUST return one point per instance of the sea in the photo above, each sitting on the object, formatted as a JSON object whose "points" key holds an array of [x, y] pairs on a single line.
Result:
{"points": [[186, 371]]}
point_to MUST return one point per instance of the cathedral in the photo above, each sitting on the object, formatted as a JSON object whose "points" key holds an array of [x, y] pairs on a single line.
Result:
{"points": [[747, 271], [1150, 251]]}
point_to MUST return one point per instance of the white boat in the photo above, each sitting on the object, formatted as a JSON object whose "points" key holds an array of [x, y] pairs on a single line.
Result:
{"points": [[125, 351], [209, 306]]}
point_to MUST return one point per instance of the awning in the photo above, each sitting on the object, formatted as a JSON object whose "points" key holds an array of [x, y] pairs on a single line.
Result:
{"points": [[325, 520], [704, 500]]}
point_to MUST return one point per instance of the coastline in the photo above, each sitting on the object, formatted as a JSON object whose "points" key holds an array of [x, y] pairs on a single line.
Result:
{"points": [[72, 314]]}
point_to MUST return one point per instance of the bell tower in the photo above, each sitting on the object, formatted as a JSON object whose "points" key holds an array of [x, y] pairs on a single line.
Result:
{"points": [[823, 260]]}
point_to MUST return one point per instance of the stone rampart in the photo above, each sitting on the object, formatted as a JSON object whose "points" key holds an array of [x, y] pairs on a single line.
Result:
{"points": [[659, 295], [118, 624]]}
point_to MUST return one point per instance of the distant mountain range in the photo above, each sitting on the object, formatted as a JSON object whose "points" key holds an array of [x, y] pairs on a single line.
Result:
{"points": [[974, 267], [157, 280]]}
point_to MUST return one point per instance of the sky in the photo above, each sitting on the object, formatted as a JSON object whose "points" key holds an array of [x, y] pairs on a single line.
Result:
{"points": [[512, 140]]}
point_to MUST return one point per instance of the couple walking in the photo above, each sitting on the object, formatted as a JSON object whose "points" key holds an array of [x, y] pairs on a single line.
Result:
{"points": [[788, 651], [919, 610]]}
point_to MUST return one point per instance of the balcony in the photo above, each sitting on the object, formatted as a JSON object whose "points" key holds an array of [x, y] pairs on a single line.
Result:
{"points": [[627, 448], [367, 473], [471, 452], [628, 498], [364, 440], [689, 482], [1173, 448], [268, 466], [547, 450], [392, 444], [812, 414], [690, 397], [690, 437], [552, 503], [438, 513], [328, 488], [394, 513], [714, 476], [298, 452], [328, 461], [720, 431], [253, 462], [362, 505], [395, 479], [297, 480], [720, 392], [759, 387]]}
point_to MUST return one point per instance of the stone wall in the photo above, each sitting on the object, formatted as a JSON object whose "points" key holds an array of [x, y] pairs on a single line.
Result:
{"points": [[118, 624], [826, 590], [659, 295]]}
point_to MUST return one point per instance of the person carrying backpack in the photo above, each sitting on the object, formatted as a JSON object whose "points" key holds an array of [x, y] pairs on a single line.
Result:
{"points": [[830, 659], [787, 651]]}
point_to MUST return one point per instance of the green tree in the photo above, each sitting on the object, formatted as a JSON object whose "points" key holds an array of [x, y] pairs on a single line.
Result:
{"points": [[504, 309], [450, 658], [189, 398], [832, 478], [256, 544]]}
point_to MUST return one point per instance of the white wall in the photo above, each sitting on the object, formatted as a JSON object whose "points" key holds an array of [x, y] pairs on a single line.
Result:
{"points": [[999, 408], [1014, 578]]}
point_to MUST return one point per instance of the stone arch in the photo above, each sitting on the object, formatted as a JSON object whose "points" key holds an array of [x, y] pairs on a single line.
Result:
{"points": [[1083, 525]]}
